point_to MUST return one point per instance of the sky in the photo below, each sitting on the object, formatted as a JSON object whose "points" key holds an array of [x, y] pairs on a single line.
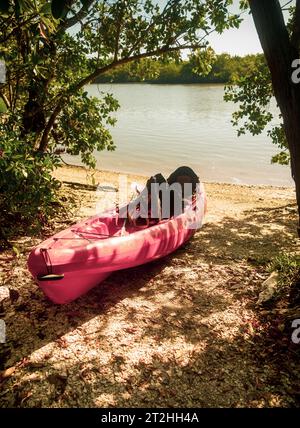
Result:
{"points": [[241, 41]]}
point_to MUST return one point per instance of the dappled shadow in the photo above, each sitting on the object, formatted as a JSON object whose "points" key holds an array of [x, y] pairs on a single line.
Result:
{"points": [[260, 234], [224, 373], [36, 317], [175, 303]]}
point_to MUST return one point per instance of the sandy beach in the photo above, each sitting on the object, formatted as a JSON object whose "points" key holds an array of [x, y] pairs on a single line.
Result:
{"points": [[190, 319], [224, 200]]}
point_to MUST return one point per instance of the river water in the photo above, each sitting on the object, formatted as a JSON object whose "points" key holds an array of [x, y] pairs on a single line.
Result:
{"points": [[160, 127]]}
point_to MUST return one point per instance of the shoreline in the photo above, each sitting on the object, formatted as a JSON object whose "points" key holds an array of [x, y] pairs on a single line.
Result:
{"points": [[223, 198], [62, 171], [161, 83]]}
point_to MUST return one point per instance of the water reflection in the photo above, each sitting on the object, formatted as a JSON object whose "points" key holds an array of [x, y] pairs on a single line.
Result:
{"points": [[162, 126]]}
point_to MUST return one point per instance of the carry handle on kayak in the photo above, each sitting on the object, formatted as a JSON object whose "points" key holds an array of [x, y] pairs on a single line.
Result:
{"points": [[50, 277]]}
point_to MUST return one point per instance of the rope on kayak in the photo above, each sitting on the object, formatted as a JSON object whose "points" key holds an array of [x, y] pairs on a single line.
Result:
{"points": [[83, 238], [68, 239], [92, 233]]}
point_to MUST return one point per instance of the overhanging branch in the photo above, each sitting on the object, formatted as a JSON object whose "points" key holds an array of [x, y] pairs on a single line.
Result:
{"points": [[88, 79], [126, 60], [81, 14]]}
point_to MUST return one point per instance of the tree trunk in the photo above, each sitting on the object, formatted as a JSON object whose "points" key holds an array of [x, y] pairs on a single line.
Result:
{"points": [[33, 117], [280, 53]]}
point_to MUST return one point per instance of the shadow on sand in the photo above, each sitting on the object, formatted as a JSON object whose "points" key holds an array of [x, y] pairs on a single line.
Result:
{"points": [[227, 372]]}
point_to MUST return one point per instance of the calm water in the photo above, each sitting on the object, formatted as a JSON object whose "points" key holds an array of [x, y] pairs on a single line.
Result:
{"points": [[163, 126]]}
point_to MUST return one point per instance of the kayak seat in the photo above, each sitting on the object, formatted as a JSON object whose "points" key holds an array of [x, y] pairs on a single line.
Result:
{"points": [[183, 175]]}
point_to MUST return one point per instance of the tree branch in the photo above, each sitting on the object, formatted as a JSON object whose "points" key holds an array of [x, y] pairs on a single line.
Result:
{"points": [[88, 79], [286, 4], [81, 14], [118, 39], [167, 7], [114, 64], [17, 27]]}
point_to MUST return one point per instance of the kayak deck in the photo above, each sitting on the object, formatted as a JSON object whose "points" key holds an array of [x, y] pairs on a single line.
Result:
{"points": [[75, 260]]}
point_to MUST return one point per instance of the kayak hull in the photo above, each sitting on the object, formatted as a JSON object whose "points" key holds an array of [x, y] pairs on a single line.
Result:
{"points": [[84, 255], [73, 285]]}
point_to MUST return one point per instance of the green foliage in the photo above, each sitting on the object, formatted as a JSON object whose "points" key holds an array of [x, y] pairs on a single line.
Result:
{"points": [[278, 137], [221, 68], [59, 8], [3, 108], [203, 60], [27, 188], [253, 93], [77, 138], [4, 6], [288, 267]]}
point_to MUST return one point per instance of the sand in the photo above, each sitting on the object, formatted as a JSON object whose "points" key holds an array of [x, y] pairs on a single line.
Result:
{"points": [[182, 331]]}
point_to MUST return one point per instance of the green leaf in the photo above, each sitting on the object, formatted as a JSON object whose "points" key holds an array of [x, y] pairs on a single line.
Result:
{"points": [[17, 8], [46, 9], [3, 108], [16, 251], [58, 8], [4, 6]]}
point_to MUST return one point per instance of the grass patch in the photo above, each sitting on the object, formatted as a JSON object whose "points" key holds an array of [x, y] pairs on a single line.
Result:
{"points": [[288, 267]]}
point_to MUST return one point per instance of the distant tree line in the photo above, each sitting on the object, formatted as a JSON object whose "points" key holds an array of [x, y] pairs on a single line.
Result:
{"points": [[224, 69]]}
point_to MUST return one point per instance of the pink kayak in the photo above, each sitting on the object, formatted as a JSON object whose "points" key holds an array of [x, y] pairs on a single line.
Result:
{"points": [[75, 260]]}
